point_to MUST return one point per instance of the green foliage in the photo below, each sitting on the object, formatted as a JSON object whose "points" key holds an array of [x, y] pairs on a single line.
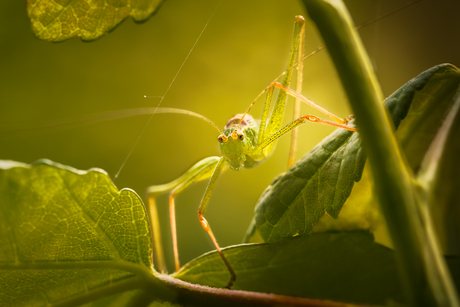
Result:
{"points": [[60, 20], [70, 237], [66, 233], [323, 179], [403, 197], [321, 266], [319, 183]]}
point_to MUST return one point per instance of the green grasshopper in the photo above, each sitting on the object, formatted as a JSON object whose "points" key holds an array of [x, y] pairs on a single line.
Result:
{"points": [[244, 143]]}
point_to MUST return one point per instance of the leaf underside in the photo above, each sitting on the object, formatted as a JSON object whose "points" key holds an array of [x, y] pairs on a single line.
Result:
{"points": [[66, 233], [58, 20]]}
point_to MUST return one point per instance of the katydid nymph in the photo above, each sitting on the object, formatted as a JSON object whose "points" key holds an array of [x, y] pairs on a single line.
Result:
{"points": [[238, 124], [244, 143]]}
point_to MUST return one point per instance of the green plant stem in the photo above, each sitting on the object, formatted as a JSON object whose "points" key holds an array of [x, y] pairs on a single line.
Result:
{"points": [[394, 182]]}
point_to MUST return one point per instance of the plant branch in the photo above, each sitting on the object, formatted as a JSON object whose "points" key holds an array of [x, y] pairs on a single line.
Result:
{"points": [[197, 295]]}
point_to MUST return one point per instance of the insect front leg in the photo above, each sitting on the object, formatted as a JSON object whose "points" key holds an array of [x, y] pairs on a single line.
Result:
{"points": [[294, 124], [200, 171]]}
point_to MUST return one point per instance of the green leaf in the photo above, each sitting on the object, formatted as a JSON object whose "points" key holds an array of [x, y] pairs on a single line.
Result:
{"points": [[318, 183], [67, 235], [121, 299], [322, 180], [334, 266], [444, 205], [438, 172], [423, 103], [431, 93], [60, 20]]}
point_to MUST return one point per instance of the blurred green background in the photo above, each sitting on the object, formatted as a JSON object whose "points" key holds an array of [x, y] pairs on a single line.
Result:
{"points": [[244, 48]]}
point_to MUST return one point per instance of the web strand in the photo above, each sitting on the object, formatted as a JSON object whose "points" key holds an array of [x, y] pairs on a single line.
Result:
{"points": [[166, 92]]}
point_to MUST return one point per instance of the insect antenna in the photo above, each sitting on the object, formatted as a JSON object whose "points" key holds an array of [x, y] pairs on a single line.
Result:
{"points": [[166, 92], [94, 118], [318, 50]]}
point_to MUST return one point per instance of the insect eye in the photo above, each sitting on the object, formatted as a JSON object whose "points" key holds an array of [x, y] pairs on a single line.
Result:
{"points": [[241, 136], [222, 138]]}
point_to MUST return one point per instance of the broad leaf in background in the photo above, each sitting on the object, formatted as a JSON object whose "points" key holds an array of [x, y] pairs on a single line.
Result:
{"points": [[67, 234], [60, 20], [445, 207], [431, 94], [345, 266], [323, 179], [327, 265], [424, 123]]}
